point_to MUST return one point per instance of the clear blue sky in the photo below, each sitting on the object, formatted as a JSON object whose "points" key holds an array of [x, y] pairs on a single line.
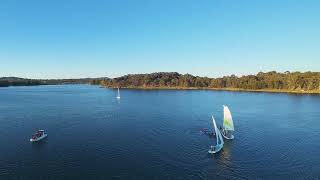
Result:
{"points": [[94, 38]]}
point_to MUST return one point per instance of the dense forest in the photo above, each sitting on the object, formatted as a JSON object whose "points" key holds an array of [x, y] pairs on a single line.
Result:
{"points": [[269, 81], [287, 81], [15, 81]]}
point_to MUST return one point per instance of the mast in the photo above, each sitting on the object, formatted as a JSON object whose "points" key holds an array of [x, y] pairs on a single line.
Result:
{"points": [[215, 129]]}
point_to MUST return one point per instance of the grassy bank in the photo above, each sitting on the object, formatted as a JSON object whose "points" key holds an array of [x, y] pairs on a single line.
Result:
{"points": [[223, 89]]}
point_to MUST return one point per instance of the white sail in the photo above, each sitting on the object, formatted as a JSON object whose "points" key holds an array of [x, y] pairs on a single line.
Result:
{"points": [[215, 129], [220, 137], [227, 119], [216, 148], [218, 134], [118, 94]]}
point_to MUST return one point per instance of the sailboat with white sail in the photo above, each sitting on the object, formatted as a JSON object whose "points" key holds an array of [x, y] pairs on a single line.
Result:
{"points": [[118, 97], [216, 148], [228, 128]]}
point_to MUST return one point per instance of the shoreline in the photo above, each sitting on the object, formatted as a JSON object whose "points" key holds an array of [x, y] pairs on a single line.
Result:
{"points": [[188, 88], [223, 89]]}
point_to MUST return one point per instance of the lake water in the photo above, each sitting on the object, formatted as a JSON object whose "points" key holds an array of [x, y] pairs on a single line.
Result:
{"points": [[155, 134]]}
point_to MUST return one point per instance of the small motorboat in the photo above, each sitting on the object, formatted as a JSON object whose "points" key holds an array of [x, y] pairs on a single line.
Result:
{"points": [[38, 136]]}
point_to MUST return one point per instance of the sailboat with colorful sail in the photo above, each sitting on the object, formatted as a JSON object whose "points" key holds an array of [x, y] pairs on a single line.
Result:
{"points": [[228, 128], [216, 148]]}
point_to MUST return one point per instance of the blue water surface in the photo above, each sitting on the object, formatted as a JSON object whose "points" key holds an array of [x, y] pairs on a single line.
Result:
{"points": [[155, 134]]}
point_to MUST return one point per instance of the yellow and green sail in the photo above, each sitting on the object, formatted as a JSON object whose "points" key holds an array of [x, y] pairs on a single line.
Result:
{"points": [[227, 119]]}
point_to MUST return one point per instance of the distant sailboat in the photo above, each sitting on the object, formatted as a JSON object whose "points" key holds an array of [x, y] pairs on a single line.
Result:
{"points": [[118, 97], [228, 127], [216, 148]]}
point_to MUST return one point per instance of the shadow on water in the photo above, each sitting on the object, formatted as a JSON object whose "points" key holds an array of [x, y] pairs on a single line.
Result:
{"points": [[118, 101], [224, 154], [216, 156], [39, 144], [209, 135]]}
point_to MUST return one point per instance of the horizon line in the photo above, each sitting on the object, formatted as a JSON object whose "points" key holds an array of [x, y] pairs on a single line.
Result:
{"points": [[100, 77]]}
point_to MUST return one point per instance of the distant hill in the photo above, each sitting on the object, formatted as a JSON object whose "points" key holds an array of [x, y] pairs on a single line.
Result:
{"points": [[16, 81], [11, 79], [270, 81], [72, 81]]}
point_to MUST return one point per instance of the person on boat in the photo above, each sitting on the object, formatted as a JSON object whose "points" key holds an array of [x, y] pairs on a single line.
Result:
{"points": [[38, 134], [205, 131]]}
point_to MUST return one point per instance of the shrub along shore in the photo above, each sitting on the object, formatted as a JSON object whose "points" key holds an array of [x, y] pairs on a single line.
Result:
{"points": [[288, 82]]}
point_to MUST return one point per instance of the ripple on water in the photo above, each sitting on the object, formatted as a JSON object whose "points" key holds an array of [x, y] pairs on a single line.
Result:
{"points": [[155, 134]]}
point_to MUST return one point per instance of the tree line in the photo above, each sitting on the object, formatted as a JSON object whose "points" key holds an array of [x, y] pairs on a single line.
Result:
{"points": [[287, 81], [296, 81], [15, 81]]}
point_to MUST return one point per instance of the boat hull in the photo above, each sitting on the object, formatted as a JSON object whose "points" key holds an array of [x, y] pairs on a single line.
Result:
{"points": [[216, 149], [38, 139], [230, 137]]}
